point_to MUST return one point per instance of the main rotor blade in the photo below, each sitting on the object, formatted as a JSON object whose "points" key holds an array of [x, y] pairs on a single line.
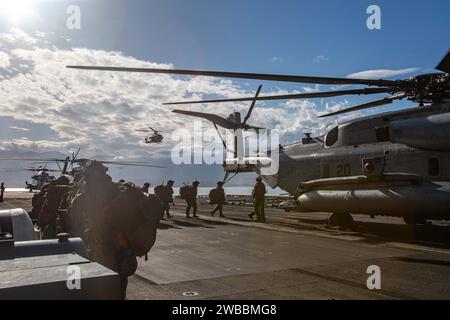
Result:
{"points": [[31, 159], [222, 122], [129, 163], [81, 161], [376, 103], [312, 95], [444, 65], [255, 76], [28, 169], [45, 170], [76, 154], [249, 113], [132, 164], [16, 169]]}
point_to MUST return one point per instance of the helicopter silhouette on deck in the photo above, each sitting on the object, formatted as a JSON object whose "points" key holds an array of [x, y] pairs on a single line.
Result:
{"points": [[41, 176], [71, 167]]}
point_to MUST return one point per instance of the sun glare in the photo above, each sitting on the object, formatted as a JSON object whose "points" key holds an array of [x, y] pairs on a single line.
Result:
{"points": [[16, 10]]}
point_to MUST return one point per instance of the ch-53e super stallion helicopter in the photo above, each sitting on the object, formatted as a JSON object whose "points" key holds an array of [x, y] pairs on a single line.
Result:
{"points": [[394, 164]]}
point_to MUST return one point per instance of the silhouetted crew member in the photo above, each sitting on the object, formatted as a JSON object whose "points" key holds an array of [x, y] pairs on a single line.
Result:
{"points": [[259, 196], [117, 221], [191, 200], [2, 191], [29, 186], [48, 217], [217, 197], [165, 194], [146, 187]]}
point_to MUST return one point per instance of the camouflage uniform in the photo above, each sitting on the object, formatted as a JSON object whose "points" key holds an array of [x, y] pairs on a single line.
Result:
{"points": [[191, 200], [165, 194], [118, 222], [259, 195], [219, 199], [48, 215]]}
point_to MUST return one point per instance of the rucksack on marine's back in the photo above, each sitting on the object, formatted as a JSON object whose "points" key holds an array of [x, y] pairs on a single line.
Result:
{"points": [[137, 216], [160, 191], [185, 192], [212, 196]]}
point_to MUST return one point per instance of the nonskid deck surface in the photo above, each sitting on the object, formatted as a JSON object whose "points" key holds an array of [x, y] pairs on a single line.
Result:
{"points": [[292, 257]]}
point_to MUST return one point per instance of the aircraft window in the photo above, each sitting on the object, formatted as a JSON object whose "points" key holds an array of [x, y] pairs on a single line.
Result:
{"points": [[433, 167], [332, 137], [382, 134]]}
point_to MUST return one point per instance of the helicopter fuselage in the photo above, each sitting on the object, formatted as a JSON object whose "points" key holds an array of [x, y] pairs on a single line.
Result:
{"points": [[361, 168], [156, 138]]}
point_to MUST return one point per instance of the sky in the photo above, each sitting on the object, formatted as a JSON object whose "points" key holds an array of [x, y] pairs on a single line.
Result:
{"points": [[46, 108]]}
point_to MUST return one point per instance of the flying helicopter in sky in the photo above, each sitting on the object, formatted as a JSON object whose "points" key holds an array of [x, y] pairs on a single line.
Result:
{"points": [[394, 164], [156, 137]]}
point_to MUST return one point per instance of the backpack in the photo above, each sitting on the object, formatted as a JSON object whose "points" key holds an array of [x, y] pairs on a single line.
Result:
{"points": [[137, 217], [185, 192], [159, 191], [212, 196]]}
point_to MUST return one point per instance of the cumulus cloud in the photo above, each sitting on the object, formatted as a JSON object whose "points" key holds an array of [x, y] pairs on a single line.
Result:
{"points": [[18, 37], [99, 111], [320, 58], [4, 60], [19, 128], [276, 59], [312, 89], [382, 73]]}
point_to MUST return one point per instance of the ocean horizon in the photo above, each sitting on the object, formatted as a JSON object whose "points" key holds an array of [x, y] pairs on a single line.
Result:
{"points": [[202, 191]]}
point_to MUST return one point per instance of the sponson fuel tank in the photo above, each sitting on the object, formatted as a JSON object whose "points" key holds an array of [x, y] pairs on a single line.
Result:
{"points": [[389, 198]]}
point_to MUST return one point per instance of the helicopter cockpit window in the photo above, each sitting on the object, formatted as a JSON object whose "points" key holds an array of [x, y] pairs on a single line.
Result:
{"points": [[332, 137]]}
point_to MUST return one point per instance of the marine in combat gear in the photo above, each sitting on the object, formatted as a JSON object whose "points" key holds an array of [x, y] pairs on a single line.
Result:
{"points": [[217, 197], [259, 198], [117, 221], [46, 205], [165, 194], [189, 194], [2, 191], [146, 187]]}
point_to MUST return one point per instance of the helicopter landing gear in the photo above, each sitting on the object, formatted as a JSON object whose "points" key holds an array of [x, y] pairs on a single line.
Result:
{"points": [[341, 220]]}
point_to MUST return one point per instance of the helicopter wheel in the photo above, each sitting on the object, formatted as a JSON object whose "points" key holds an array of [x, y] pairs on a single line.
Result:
{"points": [[341, 220]]}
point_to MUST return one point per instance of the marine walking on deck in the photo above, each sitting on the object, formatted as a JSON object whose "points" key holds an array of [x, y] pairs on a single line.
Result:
{"points": [[217, 197], [2, 191], [259, 197], [165, 194], [189, 194]]}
